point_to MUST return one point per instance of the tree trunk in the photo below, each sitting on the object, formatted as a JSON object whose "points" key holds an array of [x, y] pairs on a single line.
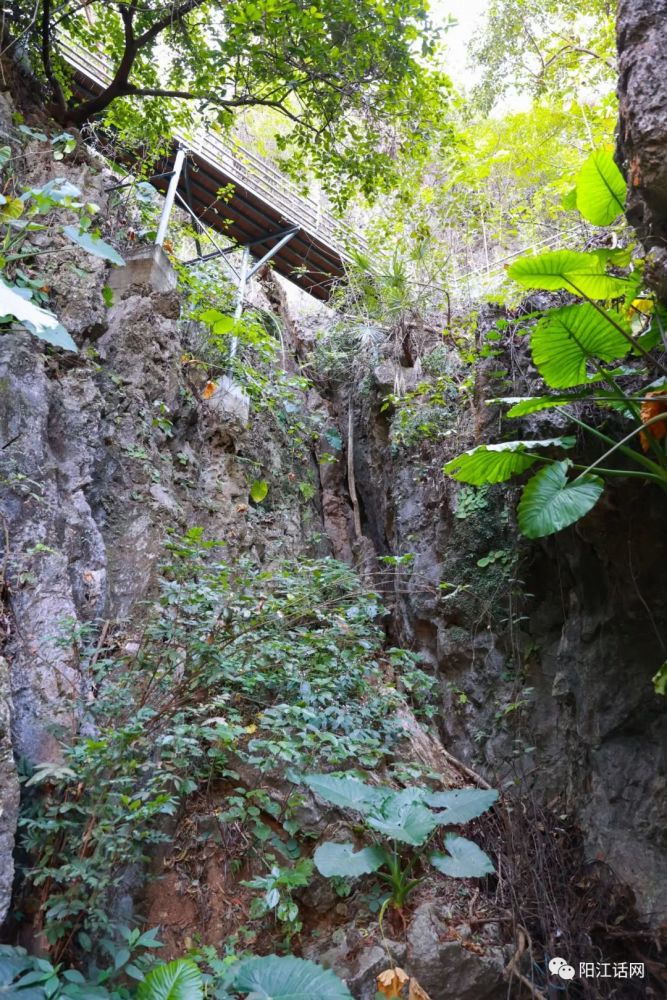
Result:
{"points": [[642, 135]]}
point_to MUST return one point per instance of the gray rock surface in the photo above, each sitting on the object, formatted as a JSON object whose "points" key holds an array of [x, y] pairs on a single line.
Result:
{"points": [[642, 91], [445, 969], [100, 454], [9, 791], [543, 656]]}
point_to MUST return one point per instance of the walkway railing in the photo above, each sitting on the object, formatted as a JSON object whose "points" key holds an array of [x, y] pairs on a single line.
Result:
{"points": [[243, 167]]}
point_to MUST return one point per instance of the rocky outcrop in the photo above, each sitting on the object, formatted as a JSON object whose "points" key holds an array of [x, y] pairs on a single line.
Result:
{"points": [[642, 136], [544, 651], [100, 455], [9, 791]]}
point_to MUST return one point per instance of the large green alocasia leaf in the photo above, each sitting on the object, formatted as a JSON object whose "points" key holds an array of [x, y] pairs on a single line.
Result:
{"points": [[495, 463], [178, 980], [342, 860], [550, 502], [601, 189], [93, 244], [38, 321], [276, 978], [566, 338], [464, 859], [350, 793], [523, 406], [403, 816], [460, 805], [580, 273]]}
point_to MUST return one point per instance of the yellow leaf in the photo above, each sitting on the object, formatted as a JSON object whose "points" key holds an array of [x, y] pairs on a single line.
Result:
{"points": [[252, 728], [12, 209], [643, 306], [391, 982]]}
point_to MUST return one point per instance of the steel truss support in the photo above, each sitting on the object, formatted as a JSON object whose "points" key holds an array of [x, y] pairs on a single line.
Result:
{"points": [[247, 272]]}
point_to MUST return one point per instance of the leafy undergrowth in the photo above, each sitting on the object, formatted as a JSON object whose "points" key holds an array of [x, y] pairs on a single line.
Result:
{"points": [[240, 678]]}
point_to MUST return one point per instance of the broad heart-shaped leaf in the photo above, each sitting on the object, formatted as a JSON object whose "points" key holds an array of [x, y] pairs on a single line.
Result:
{"points": [[550, 503], [601, 189], [464, 859], [403, 817], [581, 273], [350, 793], [56, 335], [93, 244], [460, 805], [289, 978], [342, 859], [495, 463], [43, 324], [524, 406], [13, 961], [566, 338], [179, 980]]}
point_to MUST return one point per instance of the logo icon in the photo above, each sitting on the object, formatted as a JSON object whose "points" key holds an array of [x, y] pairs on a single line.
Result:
{"points": [[559, 967]]}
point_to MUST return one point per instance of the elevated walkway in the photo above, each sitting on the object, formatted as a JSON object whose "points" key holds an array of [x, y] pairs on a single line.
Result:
{"points": [[265, 211]]}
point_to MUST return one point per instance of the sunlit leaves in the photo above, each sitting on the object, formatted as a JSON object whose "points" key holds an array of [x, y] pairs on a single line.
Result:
{"points": [[259, 490], [338, 78], [601, 189], [495, 463], [565, 339], [550, 502], [583, 274]]}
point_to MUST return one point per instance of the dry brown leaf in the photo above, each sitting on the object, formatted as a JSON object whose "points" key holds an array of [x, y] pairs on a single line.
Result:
{"points": [[652, 408], [391, 982], [416, 991]]}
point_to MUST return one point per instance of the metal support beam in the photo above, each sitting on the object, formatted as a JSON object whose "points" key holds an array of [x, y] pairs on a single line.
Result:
{"points": [[219, 251], [188, 196], [240, 298], [267, 256], [247, 273], [169, 197], [226, 251]]}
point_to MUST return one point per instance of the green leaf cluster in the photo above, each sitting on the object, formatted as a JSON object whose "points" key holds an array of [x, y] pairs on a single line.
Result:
{"points": [[572, 347], [343, 76], [270, 977], [22, 295], [408, 817], [287, 667]]}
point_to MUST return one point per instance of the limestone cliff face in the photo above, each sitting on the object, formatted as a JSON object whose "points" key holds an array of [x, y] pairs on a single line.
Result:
{"points": [[101, 453], [544, 652]]}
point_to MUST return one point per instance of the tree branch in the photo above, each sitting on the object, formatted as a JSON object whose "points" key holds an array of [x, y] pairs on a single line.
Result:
{"points": [[173, 17], [581, 51]]}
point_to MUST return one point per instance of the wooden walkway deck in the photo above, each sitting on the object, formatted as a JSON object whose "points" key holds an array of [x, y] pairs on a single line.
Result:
{"points": [[264, 202]]}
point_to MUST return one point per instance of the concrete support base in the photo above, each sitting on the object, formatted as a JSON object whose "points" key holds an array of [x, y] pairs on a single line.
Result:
{"points": [[148, 266]]}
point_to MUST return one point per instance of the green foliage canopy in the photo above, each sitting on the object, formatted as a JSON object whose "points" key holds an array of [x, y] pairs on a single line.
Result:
{"points": [[545, 46], [349, 75]]}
